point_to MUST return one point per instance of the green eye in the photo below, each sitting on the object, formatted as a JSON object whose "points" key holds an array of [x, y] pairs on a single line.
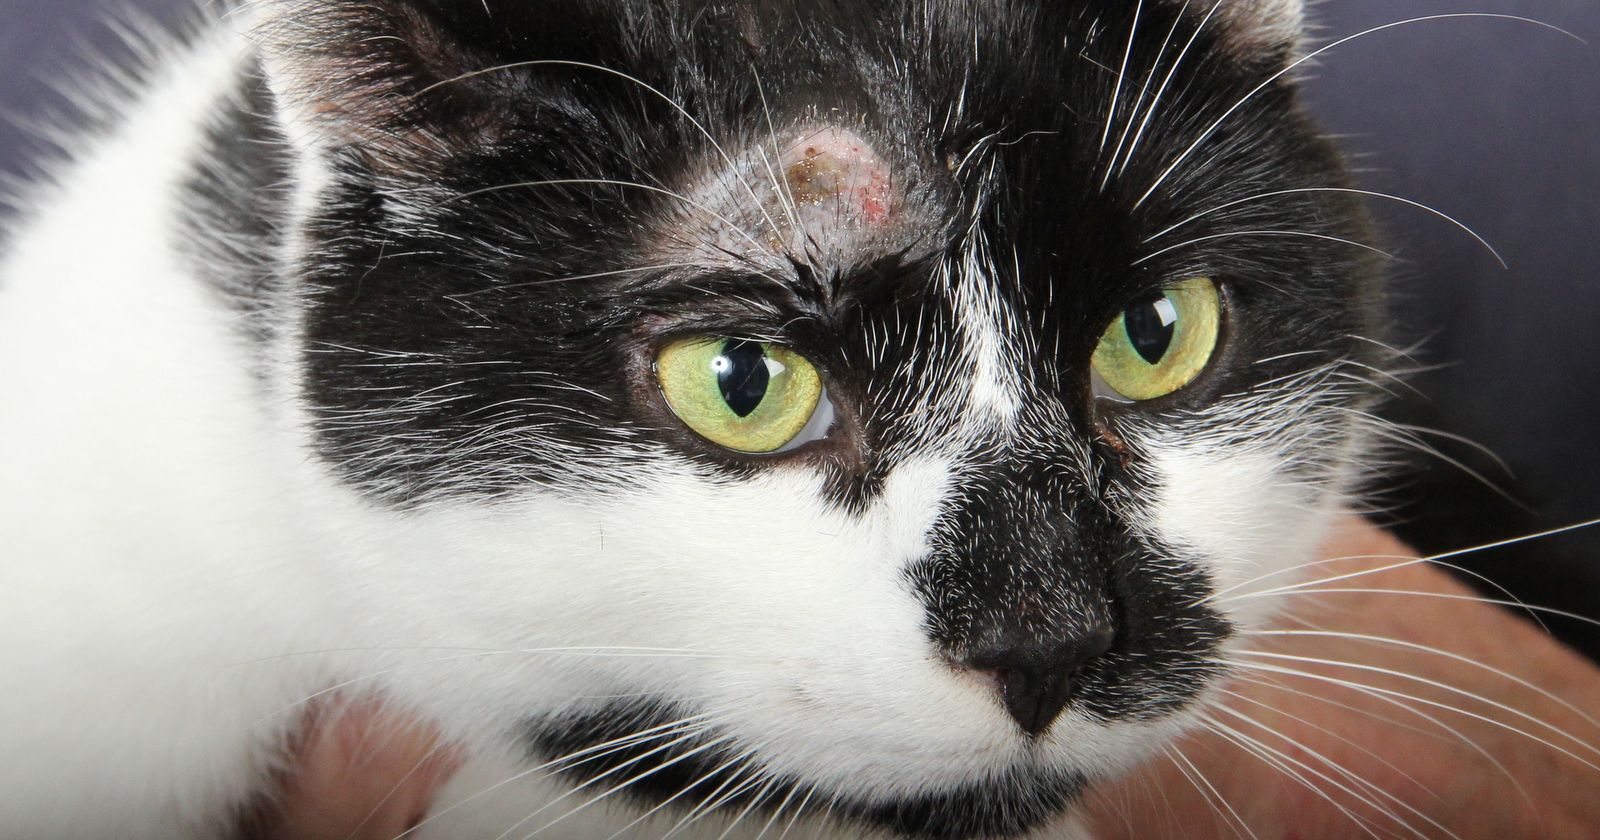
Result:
{"points": [[745, 395], [1161, 343]]}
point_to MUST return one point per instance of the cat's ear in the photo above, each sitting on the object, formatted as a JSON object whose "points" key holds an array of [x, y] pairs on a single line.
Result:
{"points": [[390, 80], [1272, 26]]}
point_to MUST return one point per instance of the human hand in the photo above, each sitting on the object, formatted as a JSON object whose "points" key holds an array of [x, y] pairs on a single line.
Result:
{"points": [[1400, 706]]}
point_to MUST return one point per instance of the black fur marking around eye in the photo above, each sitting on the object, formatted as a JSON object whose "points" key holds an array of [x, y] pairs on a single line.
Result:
{"points": [[667, 760], [471, 315]]}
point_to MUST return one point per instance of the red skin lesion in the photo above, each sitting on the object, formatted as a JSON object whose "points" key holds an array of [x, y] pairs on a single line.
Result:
{"points": [[834, 170]]}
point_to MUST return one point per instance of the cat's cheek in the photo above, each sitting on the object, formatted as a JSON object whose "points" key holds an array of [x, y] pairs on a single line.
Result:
{"points": [[1242, 513], [788, 620]]}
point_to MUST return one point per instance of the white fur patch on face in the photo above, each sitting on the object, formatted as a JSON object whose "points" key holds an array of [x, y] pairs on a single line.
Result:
{"points": [[787, 622], [996, 386], [1239, 508]]}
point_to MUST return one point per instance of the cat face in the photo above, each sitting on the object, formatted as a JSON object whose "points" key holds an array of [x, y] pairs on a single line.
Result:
{"points": [[817, 403]]}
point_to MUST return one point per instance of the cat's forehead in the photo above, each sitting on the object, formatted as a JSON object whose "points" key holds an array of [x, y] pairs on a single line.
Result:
{"points": [[815, 192]]}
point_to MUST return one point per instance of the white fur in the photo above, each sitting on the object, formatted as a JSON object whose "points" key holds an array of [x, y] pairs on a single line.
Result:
{"points": [[179, 574]]}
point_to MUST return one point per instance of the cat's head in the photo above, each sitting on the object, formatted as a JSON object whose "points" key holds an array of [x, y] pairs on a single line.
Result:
{"points": [[857, 404]]}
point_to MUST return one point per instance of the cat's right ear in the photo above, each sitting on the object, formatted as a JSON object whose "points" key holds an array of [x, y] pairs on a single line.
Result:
{"points": [[398, 82]]}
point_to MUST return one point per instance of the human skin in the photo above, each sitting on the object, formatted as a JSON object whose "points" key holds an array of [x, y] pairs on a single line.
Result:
{"points": [[1399, 743], [1426, 713]]}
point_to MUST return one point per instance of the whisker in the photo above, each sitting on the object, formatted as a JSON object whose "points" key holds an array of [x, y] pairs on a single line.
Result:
{"points": [[1431, 683], [1285, 765], [1371, 193], [759, 798], [1122, 74], [1209, 791], [1375, 795], [1406, 560], [1217, 124], [718, 796], [778, 811], [684, 791], [798, 811], [1127, 126], [1408, 436], [1459, 736], [1478, 599], [682, 735], [692, 725], [1172, 72], [612, 182], [785, 197], [552, 62], [1401, 643], [1308, 234], [711, 744], [1279, 685]]}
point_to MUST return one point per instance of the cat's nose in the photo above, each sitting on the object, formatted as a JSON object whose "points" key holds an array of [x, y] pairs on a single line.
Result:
{"points": [[1037, 678]]}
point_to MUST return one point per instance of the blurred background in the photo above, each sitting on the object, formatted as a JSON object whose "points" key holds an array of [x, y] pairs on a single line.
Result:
{"points": [[1491, 120]]}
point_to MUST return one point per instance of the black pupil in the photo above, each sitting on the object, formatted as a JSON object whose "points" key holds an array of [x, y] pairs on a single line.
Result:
{"points": [[1150, 324], [742, 375]]}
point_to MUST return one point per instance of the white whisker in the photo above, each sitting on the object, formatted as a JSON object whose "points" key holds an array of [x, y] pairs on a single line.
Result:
{"points": [[1401, 643], [1217, 801], [1310, 660], [615, 183], [1296, 770], [1172, 71], [1276, 193], [1308, 234], [1374, 796], [1122, 74], [726, 158], [1219, 121]]}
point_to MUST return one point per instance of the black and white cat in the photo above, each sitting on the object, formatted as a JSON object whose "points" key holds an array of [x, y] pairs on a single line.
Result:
{"points": [[838, 411]]}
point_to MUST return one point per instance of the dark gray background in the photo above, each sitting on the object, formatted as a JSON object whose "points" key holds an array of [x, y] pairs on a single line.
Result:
{"points": [[1493, 121]]}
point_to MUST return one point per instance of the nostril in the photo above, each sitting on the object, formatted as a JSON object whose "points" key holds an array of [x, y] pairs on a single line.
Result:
{"points": [[1036, 679]]}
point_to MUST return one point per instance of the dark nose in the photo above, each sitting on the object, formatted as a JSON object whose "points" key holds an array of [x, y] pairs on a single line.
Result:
{"points": [[1036, 678]]}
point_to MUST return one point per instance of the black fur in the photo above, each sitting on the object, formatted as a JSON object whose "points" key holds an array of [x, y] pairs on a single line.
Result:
{"points": [[694, 772], [237, 206], [476, 349]]}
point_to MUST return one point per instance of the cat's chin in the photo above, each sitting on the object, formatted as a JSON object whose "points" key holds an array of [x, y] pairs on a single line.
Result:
{"points": [[659, 754]]}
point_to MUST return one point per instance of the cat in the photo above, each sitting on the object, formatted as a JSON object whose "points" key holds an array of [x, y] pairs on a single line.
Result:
{"points": [[840, 412]]}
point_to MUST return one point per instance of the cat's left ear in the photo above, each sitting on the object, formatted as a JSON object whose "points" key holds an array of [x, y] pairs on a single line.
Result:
{"points": [[385, 79], [1269, 26]]}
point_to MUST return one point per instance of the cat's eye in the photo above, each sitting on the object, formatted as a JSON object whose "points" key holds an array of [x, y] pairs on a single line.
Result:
{"points": [[1160, 343], [748, 396]]}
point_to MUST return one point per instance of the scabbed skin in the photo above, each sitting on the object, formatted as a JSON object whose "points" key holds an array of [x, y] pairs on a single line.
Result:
{"points": [[328, 368]]}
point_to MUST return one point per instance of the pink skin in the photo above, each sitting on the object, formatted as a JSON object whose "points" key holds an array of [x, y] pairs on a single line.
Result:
{"points": [[358, 770], [839, 173], [364, 771]]}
